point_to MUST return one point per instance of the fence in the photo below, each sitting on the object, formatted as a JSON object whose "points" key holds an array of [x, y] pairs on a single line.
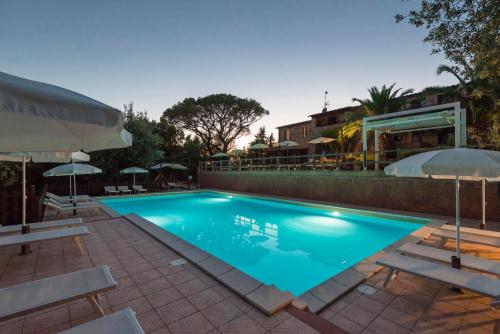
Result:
{"points": [[11, 205], [327, 161]]}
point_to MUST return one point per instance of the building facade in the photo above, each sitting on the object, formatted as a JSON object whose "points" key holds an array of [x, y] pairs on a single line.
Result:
{"points": [[319, 123]]}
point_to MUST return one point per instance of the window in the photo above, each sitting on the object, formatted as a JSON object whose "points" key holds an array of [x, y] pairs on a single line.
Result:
{"points": [[287, 134], [304, 131]]}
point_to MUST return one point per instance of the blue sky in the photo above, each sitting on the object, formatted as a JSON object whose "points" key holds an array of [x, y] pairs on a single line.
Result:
{"points": [[283, 53]]}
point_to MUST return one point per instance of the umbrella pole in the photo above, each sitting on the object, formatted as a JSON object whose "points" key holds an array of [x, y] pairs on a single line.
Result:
{"points": [[134, 180], [74, 193], [25, 229], [483, 193], [455, 260]]}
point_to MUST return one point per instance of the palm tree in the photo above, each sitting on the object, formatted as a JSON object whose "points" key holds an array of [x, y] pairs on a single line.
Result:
{"points": [[477, 92], [384, 100]]}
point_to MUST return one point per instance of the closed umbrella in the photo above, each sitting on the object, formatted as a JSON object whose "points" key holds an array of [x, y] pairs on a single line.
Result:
{"points": [[39, 117], [133, 170], [458, 164]]}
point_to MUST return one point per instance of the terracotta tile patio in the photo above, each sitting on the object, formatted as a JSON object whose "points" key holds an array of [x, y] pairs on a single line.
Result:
{"points": [[183, 299]]}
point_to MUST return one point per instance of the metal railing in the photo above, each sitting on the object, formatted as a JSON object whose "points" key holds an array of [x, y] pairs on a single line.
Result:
{"points": [[329, 161]]}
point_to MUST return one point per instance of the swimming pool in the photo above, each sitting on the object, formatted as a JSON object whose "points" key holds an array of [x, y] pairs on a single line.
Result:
{"points": [[293, 245]]}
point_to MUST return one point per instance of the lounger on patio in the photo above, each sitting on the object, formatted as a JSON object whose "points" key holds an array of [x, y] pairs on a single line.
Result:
{"points": [[64, 208], [124, 189], [25, 298], [467, 237], [139, 188], [111, 190], [467, 261], [123, 322], [459, 278], [43, 225], [70, 232], [67, 199], [474, 231]]}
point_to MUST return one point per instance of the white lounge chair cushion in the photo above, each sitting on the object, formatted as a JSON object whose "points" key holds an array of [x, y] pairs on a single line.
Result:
{"points": [[446, 274], [43, 225], [472, 238], [71, 207], [20, 239], [468, 230], [122, 322], [29, 297], [467, 261]]}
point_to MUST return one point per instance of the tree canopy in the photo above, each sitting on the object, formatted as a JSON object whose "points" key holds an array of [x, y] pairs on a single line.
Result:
{"points": [[217, 120], [467, 33]]}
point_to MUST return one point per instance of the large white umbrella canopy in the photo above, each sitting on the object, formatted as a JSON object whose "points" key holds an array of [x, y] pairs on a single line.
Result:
{"points": [[219, 155], [321, 140], [134, 170], [169, 165], [40, 157], [457, 164], [41, 117], [72, 169], [288, 143]]}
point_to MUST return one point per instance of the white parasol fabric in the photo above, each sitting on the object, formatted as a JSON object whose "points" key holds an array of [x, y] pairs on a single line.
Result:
{"points": [[321, 140], [458, 164], [134, 170], [72, 169], [41, 117], [288, 143]]}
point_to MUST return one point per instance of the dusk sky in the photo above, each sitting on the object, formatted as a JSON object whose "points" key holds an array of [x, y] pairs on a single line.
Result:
{"points": [[284, 54]]}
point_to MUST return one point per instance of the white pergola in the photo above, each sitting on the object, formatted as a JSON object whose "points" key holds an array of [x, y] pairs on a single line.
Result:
{"points": [[428, 118]]}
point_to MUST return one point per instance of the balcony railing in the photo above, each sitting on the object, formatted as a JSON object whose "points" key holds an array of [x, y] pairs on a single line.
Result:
{"points": [[328, 161]]}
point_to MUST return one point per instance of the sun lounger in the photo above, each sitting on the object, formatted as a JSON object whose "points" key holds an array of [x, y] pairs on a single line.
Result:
{"points": [[474, 231], [70, 232], [182, 185], [43, 225], [467, 261], [124, 190], [139, 188], [25, 298], [467, 237], [123, 322], [64, 208], [458, 278], [67, 199], [110, 190]]}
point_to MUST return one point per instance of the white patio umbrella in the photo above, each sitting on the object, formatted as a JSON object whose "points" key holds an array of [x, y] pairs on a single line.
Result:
{"points": [[219, 155], [40, 157], [39, 117], [287, 143], [72, 170], [259, 146], [321, 140], [171, 165], [134, 170], [458, 164]]}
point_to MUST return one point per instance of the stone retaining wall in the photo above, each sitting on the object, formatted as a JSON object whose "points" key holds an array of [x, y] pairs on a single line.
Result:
{"points": [[362, 188]]}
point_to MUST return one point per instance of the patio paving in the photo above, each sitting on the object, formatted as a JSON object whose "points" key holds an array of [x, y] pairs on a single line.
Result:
{"points": [[166, 298], [183, 299]]}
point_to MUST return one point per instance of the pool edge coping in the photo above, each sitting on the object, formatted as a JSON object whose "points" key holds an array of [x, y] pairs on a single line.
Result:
{"points": [[268, 298]]}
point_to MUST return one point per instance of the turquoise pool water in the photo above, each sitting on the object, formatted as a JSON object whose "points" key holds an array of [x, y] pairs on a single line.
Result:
{"points": [[290, 245]]}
